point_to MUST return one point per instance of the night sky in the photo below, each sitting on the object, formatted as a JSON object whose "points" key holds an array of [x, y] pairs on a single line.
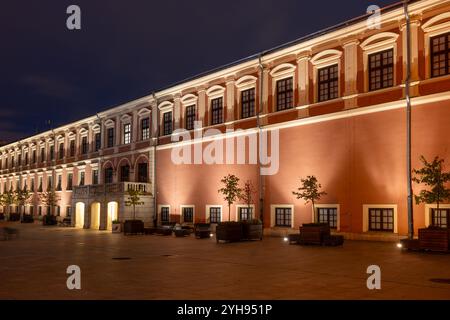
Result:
{"points": [[127, 49]]}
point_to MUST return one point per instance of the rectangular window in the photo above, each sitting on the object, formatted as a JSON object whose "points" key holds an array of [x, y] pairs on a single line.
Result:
{"points": [[26, 158], [283, 217], [59, 185], [285, 94], [31, 210], [248, 103], [42, 154], [32, 185], [109, 175], [58, 211], [244, 213], [127, 133], [68, 211], [94, 176], [81, 178], [327, 215], [188, 214], [124, 173], [110, 135], [381, 220], [19, 160], [40, 188], [440, 55], [381, 70], [214, 214], [142, 172], [439, 218], [84, 145], [145, 129], [72, 148], [328, 83], [216, 111], [98, 141], [69, 181], [34, 156], [167, 123], [52, 152], [40, 210], [49, 183], [61, 151], [190, 117], [165, 214]]}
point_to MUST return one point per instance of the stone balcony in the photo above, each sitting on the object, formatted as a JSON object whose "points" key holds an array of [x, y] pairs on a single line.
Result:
{"points": [[110, 189]]}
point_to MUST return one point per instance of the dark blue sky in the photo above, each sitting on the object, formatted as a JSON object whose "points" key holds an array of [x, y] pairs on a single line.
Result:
{"points": [[127, 49]]}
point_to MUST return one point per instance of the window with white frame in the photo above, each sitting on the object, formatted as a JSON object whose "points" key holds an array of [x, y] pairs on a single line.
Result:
{"points": [[127, 133], [215, 214], [145, 128]]}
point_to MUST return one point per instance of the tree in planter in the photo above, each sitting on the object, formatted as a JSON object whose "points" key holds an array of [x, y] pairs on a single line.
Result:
{"points": [[50, 199], [432, 176], [247, 196], [231, 191], [134, 200], [22, 198], [8, 199], [309, 191]]}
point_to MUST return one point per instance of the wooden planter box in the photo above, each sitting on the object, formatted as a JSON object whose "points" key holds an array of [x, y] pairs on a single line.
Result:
{"points": [[434, 239], [252, 231], [164, 231], [314, 233], [49, 220], [202, 230], [229, 232], [14, 217], [181, 233], [27, 218], [133, 227]]}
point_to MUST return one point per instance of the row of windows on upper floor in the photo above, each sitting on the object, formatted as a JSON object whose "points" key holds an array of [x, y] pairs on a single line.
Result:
{"points": [[123, 176], [380, 76]]}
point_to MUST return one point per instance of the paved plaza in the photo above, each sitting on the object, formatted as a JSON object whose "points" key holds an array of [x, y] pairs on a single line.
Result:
{"points": [[114, 266]]}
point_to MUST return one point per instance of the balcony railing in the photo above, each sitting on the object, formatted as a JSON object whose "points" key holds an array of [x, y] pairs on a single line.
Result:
{"points": [[111, 188]]}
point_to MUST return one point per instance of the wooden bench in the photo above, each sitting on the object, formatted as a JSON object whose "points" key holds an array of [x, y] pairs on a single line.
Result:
{"points": [[202, 230], [66, 222]]}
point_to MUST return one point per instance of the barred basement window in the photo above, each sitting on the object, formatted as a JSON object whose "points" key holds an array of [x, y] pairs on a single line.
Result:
{"points": [[283, 217], [167, 123], [216, 111], [190, 117], [328, 83], [214, 214], [327, 215], [164, 214], [248, 103], [127, 133], [188, 214], [439, 218], [381, 220], [285, 94], [440, 55], [145, 129], [381, 70], [244, 213]]}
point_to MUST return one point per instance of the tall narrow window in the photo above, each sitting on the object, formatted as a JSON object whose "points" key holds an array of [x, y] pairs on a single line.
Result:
{"points": [[142, 172], [26, 158], [34, 156], [42, 154], [328, 83], [61, 151], [285, 94], [127, 133], [381, 70], [49, 183], [167, 123], [98, 141], [283, 217], [19, 160], [32, 185], [248, 103], [109, 175], [190, 117], [216, 111], [84, 145], [52, 152], [69, 181], [440, 55], [40, 188], [94, 176], [110, 134], [165, 214], [59, 185], [82, 174], [145, 129], [124, 173], [72, 148]]}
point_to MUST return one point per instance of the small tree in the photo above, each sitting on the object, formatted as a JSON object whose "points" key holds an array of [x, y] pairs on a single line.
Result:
{"points": [[432, 176], [50, 199], [230, 191], [22, 197], [309, 191], [134, 200], [247, 195], [8, 199]]}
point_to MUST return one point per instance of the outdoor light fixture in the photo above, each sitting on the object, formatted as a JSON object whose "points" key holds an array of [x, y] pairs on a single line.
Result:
{"points": [[399, 245], [211, 235], [285, 239]]}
